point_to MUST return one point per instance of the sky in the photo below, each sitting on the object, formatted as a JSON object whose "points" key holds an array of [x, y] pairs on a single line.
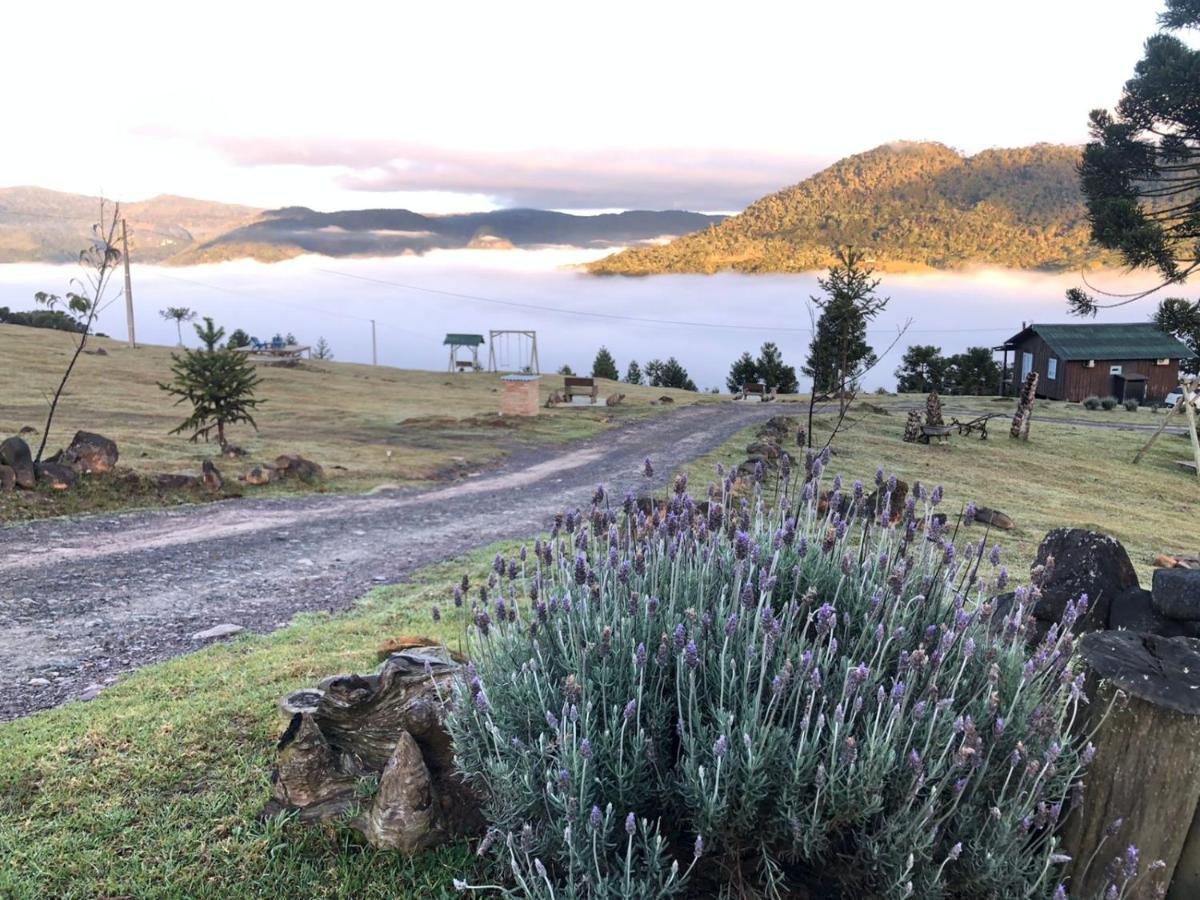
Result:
{"points": [[444, 107]]}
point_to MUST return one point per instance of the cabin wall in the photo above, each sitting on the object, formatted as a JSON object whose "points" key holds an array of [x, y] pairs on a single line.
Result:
{"points": [[1075, 381]]}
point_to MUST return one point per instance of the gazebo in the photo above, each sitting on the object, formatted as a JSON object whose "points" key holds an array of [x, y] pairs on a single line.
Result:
{"points": [[471, 342]]}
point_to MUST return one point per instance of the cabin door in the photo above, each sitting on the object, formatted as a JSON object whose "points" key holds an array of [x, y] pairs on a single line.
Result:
{"points": [[1026, 364]]}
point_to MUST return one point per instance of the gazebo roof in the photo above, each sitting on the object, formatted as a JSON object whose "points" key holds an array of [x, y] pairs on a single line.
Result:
{"points": [[463, 340]]}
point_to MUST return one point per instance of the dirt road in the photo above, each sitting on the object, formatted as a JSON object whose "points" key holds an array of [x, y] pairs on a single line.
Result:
{"points": [[84, 600]]}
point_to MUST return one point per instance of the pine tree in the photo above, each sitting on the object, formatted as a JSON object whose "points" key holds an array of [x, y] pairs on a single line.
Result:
{"points": [[742, 372], [675, 375], [633, 375], [839, 351], [922, 368], [219, 384], [771, 369], [322, 350], [604, 366]]}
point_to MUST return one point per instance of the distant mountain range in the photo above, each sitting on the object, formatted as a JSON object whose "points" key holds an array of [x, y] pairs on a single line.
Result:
{"points": [[910, 206], [38, 225]]}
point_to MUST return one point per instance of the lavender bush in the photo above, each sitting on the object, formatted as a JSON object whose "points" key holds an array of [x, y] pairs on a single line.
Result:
{"points": [[741, 695]]}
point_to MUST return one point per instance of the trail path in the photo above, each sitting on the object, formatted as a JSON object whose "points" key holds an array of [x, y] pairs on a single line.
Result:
{"points": [[84, 600]]}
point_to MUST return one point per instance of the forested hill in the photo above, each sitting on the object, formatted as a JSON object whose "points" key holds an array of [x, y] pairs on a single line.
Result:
{"points": [[909, 205]]}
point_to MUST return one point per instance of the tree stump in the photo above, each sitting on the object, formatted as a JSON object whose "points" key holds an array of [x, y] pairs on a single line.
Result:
{"points": [[372, 751], [1147, 766], [933, 410], [912, 427]]}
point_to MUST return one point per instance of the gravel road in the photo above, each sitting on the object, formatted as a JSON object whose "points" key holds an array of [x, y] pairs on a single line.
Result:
{"points": [[83, 600]]}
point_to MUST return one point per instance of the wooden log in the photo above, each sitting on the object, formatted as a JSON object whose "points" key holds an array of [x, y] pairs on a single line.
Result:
{"points": [[372, 751], [1145, 710]]}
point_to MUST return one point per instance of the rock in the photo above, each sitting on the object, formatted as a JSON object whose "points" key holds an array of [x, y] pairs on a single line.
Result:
{"points": [[1085, 562], [8, 478], [27, 430], [230, 451], [14, 453], [91, 692], [1132, 610], [91, 453], [56, 475], [292, 466], [1176, 593], [217, 632], [995, 518], [749, 467], [211, 476], [259, 475], [765, 449], [173, 482], [411, 642], [896, 507], [39, 682], [666, 399], [614, 399]]}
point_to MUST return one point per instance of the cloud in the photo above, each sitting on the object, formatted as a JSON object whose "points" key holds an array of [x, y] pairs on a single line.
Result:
{"points": [[714, 180]]}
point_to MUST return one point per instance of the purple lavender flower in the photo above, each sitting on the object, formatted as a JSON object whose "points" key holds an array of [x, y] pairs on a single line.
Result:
{"points": [[741, 545], [458, 596], [639, 657], [969, 514], [564, 778], [731, 623], [581, 569], [552, 720], [955, 851], [585, 748], [826, 618], [679, 637], [630, 710], [995, 557], [596, 818], [721, 747], [691, 657], [698, 848], [1130, 865], [481, 702], [630, 824], [936, 496]]}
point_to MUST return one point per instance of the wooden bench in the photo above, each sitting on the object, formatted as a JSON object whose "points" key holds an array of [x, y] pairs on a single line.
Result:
{"points": [[754, 389], [580, 387], [465, 365]]}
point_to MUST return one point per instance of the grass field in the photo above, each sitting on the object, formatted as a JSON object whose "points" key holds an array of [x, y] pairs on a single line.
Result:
{"points": [[342, 415], [1065, 475], [154, 789]]}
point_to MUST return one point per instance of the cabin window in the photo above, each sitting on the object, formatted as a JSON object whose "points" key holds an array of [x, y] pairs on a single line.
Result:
{"points": [[1114, 370], [1052, 368], [1162, 362], [1026, 364], [1090, 364]]}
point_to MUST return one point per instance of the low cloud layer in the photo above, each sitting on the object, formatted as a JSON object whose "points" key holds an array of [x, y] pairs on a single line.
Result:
{"points": [[549, 179]]}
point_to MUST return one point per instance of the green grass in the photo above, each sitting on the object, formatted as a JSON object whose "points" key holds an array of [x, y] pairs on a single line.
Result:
{"points": [[154, 789], [1066, 475], [342, 415]]}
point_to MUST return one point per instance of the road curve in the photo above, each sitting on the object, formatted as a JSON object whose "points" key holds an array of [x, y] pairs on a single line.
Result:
{"points": [[83, 600]]}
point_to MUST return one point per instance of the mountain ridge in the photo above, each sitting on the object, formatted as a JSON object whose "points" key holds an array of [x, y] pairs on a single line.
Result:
{"points": [[908, 204], [40, 225]]}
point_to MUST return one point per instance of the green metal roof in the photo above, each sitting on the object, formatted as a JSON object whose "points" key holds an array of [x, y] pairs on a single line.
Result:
{"points": [[1117, 340], [463, 340]]}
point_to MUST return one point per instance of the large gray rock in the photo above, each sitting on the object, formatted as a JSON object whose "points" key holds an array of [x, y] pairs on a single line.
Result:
{"points": [[1177, 593], [1084, 562], [14, 453], [8, 478], [1132, 610], [56, 475]]}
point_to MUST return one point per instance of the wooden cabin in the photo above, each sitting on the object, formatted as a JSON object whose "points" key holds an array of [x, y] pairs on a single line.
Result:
{"points": [[1132, 360]]}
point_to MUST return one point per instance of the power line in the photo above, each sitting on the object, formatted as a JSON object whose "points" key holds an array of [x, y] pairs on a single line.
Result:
{"points": [[626, 318]]}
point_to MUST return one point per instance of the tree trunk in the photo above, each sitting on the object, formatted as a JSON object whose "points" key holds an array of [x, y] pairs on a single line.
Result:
{"points": [[372, 751], [1146, 770]]}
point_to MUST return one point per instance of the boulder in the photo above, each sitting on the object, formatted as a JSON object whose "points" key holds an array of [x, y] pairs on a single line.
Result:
{"points": [[614, 399], [91, 453], [1084, 562], [56, 475], [211, 477], [14, 453], [27, 430], [765, 449], [8, 478], [665, 399], [169, 481], [1176, 593], [232, 451], [292, 466], [995, 518], [259, 475], [1132, 610]]}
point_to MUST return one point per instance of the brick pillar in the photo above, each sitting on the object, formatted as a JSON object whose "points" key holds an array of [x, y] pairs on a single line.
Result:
{"points": [[519, 395]]}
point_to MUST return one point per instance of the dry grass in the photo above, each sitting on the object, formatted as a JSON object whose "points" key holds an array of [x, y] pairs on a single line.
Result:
{"points": [[343, 415], [1066, 475]]}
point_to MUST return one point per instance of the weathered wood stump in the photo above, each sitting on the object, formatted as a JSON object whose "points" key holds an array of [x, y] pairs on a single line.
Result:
{"points": [[372, 751], [1147, 766], [1024, 413]]}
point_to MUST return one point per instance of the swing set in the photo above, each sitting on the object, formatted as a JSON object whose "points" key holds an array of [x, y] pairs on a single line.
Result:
{"points": [[513, 350]]}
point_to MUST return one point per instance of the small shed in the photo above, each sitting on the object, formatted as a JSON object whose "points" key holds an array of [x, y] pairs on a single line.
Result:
{"points": [[1126, 360], [471, 342]]}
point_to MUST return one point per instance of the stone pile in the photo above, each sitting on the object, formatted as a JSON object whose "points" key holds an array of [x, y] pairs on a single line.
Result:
{"points": [[767, 447]]}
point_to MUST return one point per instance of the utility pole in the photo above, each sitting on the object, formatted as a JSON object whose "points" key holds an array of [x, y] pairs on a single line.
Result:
{"points": [[374, 350], [128, 286]]}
